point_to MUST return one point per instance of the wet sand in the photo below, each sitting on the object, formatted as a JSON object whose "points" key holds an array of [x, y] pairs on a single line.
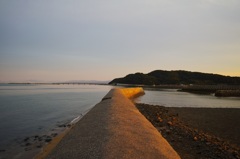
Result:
{"points": [[197, 132]]}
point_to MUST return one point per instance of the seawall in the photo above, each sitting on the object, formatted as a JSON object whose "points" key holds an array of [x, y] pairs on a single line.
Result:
{"points": [[114, 128]]}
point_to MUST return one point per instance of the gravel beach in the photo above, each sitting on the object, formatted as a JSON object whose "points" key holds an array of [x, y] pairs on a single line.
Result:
{"points": [[197, 132]]}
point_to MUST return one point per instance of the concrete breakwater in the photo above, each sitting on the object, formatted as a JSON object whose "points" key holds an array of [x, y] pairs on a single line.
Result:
{"points": [[114, 128]]}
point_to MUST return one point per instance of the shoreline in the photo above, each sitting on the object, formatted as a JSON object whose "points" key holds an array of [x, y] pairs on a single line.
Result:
{"points": [[46, 149], [39, 145], [51, 145], [197, 132]]}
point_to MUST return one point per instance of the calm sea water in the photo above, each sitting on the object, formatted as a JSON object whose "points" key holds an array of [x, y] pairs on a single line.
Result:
{"points": [[27, 110], [173, 98]]}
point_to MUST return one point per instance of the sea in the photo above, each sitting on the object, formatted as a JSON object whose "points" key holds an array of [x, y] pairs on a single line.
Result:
{"points": [[35, 112]]}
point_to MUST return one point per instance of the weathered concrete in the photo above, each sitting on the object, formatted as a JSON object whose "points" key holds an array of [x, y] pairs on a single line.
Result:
{"points": [[114, 128]]}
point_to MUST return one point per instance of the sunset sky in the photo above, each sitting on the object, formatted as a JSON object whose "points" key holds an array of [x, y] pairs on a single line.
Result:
{"points": [[60, 40]]}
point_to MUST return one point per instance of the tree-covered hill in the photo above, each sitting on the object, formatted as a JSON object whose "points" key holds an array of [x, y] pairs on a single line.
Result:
{"points": [[158, 77]]}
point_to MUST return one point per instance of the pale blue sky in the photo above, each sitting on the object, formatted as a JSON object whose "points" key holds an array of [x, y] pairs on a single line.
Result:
{"points": [[59, 40]]}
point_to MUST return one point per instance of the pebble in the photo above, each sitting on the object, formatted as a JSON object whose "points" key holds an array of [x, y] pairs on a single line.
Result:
{"points": [[28, 144], [170, 123], [48, 140], [195, 138], [168, 132], [26, 139], [160, 119], [54, 134], [27, 149]]}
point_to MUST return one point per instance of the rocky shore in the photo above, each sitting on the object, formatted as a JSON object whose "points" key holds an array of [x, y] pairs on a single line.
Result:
{"points": [[227, 93], [197, 133], [30, 146]]}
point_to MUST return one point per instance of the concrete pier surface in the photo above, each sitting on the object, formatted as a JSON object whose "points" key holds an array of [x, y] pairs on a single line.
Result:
{"points": [[114, 129]]}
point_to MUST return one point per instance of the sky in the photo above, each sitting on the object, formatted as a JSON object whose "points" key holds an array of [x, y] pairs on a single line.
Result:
{"points": [[59, 40]]}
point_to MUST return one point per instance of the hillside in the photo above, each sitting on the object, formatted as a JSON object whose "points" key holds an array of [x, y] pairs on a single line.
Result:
{"points": [[158, 77]]}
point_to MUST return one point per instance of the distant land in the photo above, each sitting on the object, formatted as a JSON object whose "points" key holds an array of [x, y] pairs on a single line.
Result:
{"points": [[161, 77], [63, 82], [87, 81]]}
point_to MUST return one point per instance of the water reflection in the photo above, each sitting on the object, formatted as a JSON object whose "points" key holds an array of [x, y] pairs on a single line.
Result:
{"points": [[173, 98]]}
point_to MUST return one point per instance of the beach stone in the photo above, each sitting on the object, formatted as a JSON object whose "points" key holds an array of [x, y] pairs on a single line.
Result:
{"points": [[170, 123], [160, 119], [26, 139], [27, 149], [28, 144], [54, 134], [168, 132], [195, 138], [48, 140], [174, 118]]}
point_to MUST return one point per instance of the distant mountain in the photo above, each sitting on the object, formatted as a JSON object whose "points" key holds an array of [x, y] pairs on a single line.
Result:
{"points": [[158, 77]]}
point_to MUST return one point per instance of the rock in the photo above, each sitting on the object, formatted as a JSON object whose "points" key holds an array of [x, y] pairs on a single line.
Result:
{"points": [[195, 138], [168, 132], [26, 139], [174, 118], [27, 149], [160, 119], [170, 123], [54, 134], [62, 126], [28, 144], [48, 140]]}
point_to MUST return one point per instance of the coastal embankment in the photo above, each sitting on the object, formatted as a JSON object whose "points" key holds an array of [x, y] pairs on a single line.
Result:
{"points": [[114, 128]]}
